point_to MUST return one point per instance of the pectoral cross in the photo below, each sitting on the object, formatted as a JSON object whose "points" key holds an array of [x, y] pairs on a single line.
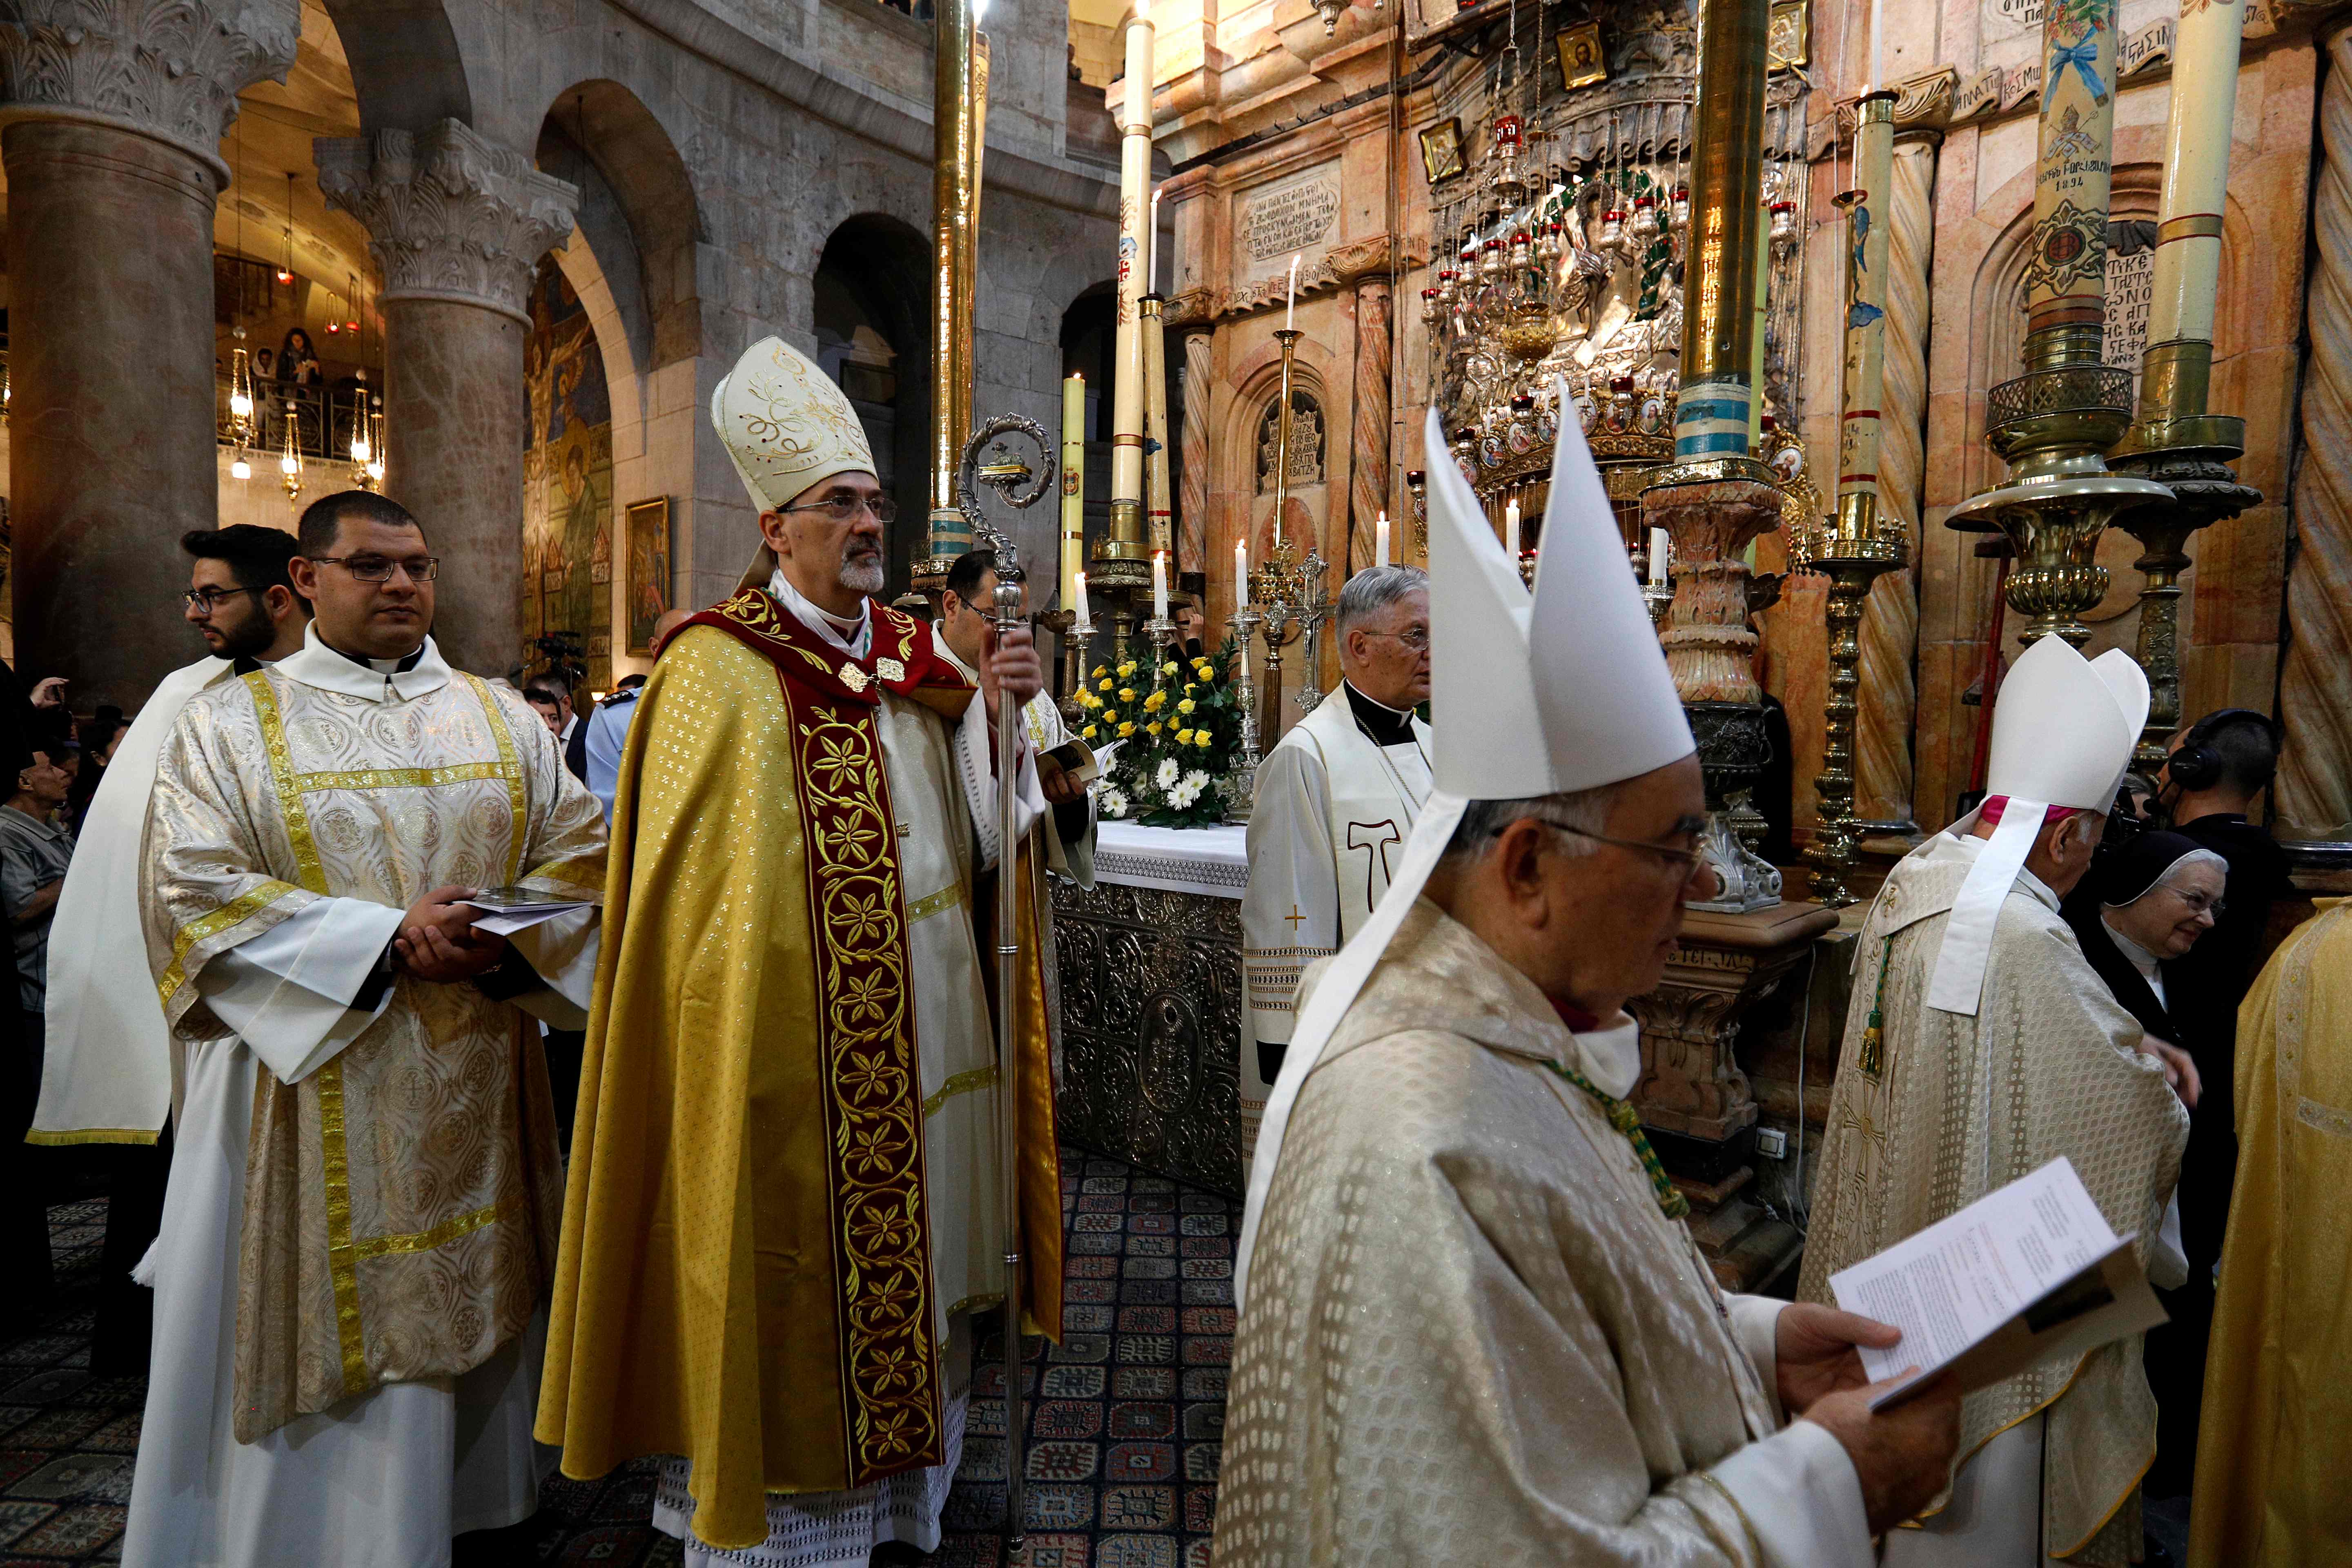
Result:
{"points": [[1294, 916]]}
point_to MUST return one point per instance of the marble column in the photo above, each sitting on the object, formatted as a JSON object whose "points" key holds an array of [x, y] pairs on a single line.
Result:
{"points": [[110, 122], [1890, 620], [2313, 791], [457, 224], [1364, 267], [1193, 507]]}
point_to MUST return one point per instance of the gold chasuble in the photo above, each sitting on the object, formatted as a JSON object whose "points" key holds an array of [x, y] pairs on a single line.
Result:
{"points": [[783, 1181]]}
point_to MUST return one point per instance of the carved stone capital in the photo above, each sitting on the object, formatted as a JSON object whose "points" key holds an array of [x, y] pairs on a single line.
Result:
{"points": [[1923, 107], [451, 214], [1193, 306], [169, 70], [1362, 260]]}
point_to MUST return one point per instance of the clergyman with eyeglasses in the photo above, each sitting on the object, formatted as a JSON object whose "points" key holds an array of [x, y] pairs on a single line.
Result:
{"points": [[358, 1235], [1337, 799], [785, 1202], [106, 1076], [1982, 1046]]}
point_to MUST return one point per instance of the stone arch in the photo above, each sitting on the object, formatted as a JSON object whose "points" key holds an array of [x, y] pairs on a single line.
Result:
{"points": [[600, 126], [1256, 382], [405, 63], [872, 281]]}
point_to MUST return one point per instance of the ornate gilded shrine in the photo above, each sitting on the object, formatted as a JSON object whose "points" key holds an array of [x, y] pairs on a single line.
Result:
{"points": [[1562, 229]]}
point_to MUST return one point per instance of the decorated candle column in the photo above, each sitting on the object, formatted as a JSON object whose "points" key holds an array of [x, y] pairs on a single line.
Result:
{"points": [[1123, 557], [1867, 208], [2175, 439], [2066, 264], [1711, 414], [1074, 487], [2179, 362]]}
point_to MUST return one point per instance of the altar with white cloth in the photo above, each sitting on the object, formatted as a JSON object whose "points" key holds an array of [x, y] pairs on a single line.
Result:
{"points": [[1151, 996]]}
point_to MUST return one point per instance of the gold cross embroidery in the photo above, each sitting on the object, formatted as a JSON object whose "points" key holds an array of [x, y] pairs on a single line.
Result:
{"points": [[1294, 916]]}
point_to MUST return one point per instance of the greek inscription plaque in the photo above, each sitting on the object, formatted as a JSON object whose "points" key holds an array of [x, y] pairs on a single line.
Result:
{"points": [[1288, 216]]}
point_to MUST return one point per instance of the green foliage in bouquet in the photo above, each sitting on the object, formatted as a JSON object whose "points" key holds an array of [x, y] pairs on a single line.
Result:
{"points": [[1177, 739]]}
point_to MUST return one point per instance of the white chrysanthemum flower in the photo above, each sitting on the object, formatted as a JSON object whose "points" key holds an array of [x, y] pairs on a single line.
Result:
{"points": [[1185, 793], [1167, 774], [1197, 780], [1111, 802]]}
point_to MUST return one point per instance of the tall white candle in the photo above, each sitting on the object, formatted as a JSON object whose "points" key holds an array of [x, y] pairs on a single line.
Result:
{"points": [[1160, 583], [1511, 529], [1151, 247], [1877, 74], [1127, 396], [2196, 173], [1290, 297], [1241, 574], [1660, 547], [1086, 612], [1380, 541]]}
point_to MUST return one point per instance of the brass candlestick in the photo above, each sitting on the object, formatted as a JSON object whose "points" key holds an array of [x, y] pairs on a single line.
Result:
{"points": [[1856, 565], [1063, 623]]}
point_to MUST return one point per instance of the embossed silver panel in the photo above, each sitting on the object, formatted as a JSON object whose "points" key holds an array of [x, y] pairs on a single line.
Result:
{"points": [[1151, 1029]]}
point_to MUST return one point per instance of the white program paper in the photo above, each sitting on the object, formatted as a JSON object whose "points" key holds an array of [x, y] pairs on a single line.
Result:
{"points": [[509, 920], [2026, 1273]]}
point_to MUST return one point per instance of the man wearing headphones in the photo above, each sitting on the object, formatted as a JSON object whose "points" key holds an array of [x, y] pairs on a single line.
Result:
{"points": [[2217, 766]]}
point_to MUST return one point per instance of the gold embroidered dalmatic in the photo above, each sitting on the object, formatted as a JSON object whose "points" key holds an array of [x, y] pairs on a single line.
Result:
{"points": [[402, 1200], [782, 1182]]}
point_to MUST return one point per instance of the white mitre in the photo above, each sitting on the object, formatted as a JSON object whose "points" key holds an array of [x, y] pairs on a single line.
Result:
{"points": [[2062, 731], [786, 427], [1562, 690]]}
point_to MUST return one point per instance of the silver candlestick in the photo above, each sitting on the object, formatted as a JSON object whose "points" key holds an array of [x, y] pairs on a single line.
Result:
{"points": [[1240, 789]]}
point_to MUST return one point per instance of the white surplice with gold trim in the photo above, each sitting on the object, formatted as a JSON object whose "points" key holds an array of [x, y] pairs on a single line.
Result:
{"points": [[360, 1225]]}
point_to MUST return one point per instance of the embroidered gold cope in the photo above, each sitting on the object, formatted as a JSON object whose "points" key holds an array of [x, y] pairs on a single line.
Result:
{"points": [[402, 1199], [783, 1181], [1941, 1107]]}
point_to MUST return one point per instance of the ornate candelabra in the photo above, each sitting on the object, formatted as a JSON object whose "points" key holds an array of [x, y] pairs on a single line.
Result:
{"points": [[1280, 627], [2052, 424], [1063, 623], [2174, 441]]}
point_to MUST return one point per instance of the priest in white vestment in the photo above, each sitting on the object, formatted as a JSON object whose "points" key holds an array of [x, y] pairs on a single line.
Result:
{"points": [[1473, 1328], [358, 1239], [1979, 1045], [1337, 799], [106, 1069], [784, 1200]]}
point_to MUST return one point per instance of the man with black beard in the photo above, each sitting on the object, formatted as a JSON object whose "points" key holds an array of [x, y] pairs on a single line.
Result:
{"points": [[107, 1076]]}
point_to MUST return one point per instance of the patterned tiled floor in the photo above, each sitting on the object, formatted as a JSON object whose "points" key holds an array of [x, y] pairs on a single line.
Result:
{"points": [[1125, 1416]]}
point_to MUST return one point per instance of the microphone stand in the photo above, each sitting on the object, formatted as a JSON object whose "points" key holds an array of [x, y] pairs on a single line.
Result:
{"points": [[1006, 473]]}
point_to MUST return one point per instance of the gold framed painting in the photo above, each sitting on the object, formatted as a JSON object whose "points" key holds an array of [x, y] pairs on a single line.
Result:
{"points": [[645, 586], [1789, 40], [1441, 151], [1580, 60]]}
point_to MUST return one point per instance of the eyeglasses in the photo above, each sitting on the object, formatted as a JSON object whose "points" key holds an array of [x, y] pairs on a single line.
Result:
{"points": [[1686, 861], [843, 505], [1415, 638], [207, 600], [2199, 903], [377, 569]]}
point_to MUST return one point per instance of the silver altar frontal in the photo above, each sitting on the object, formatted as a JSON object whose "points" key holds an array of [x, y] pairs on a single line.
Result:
{"points": [[1151, 997]]}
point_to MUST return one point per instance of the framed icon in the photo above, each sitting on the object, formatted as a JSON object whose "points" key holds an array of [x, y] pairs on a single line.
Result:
{"points": [[645, 586], [1788, 38], [1581, 62], [1441, 151]]}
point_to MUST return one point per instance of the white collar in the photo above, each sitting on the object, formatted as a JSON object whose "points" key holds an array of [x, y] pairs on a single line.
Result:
{"points": [[1968, 847], [1611, 1057], [848, 633], [946, 651], [2140, 958], [377, 680]]}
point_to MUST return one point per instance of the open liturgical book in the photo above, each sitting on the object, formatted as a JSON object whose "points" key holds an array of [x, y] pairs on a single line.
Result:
{"points": [[2028, 1273], [506, 910]]}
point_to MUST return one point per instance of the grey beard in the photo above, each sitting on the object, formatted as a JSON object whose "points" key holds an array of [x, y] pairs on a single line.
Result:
{"points": [[862, 575]]}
